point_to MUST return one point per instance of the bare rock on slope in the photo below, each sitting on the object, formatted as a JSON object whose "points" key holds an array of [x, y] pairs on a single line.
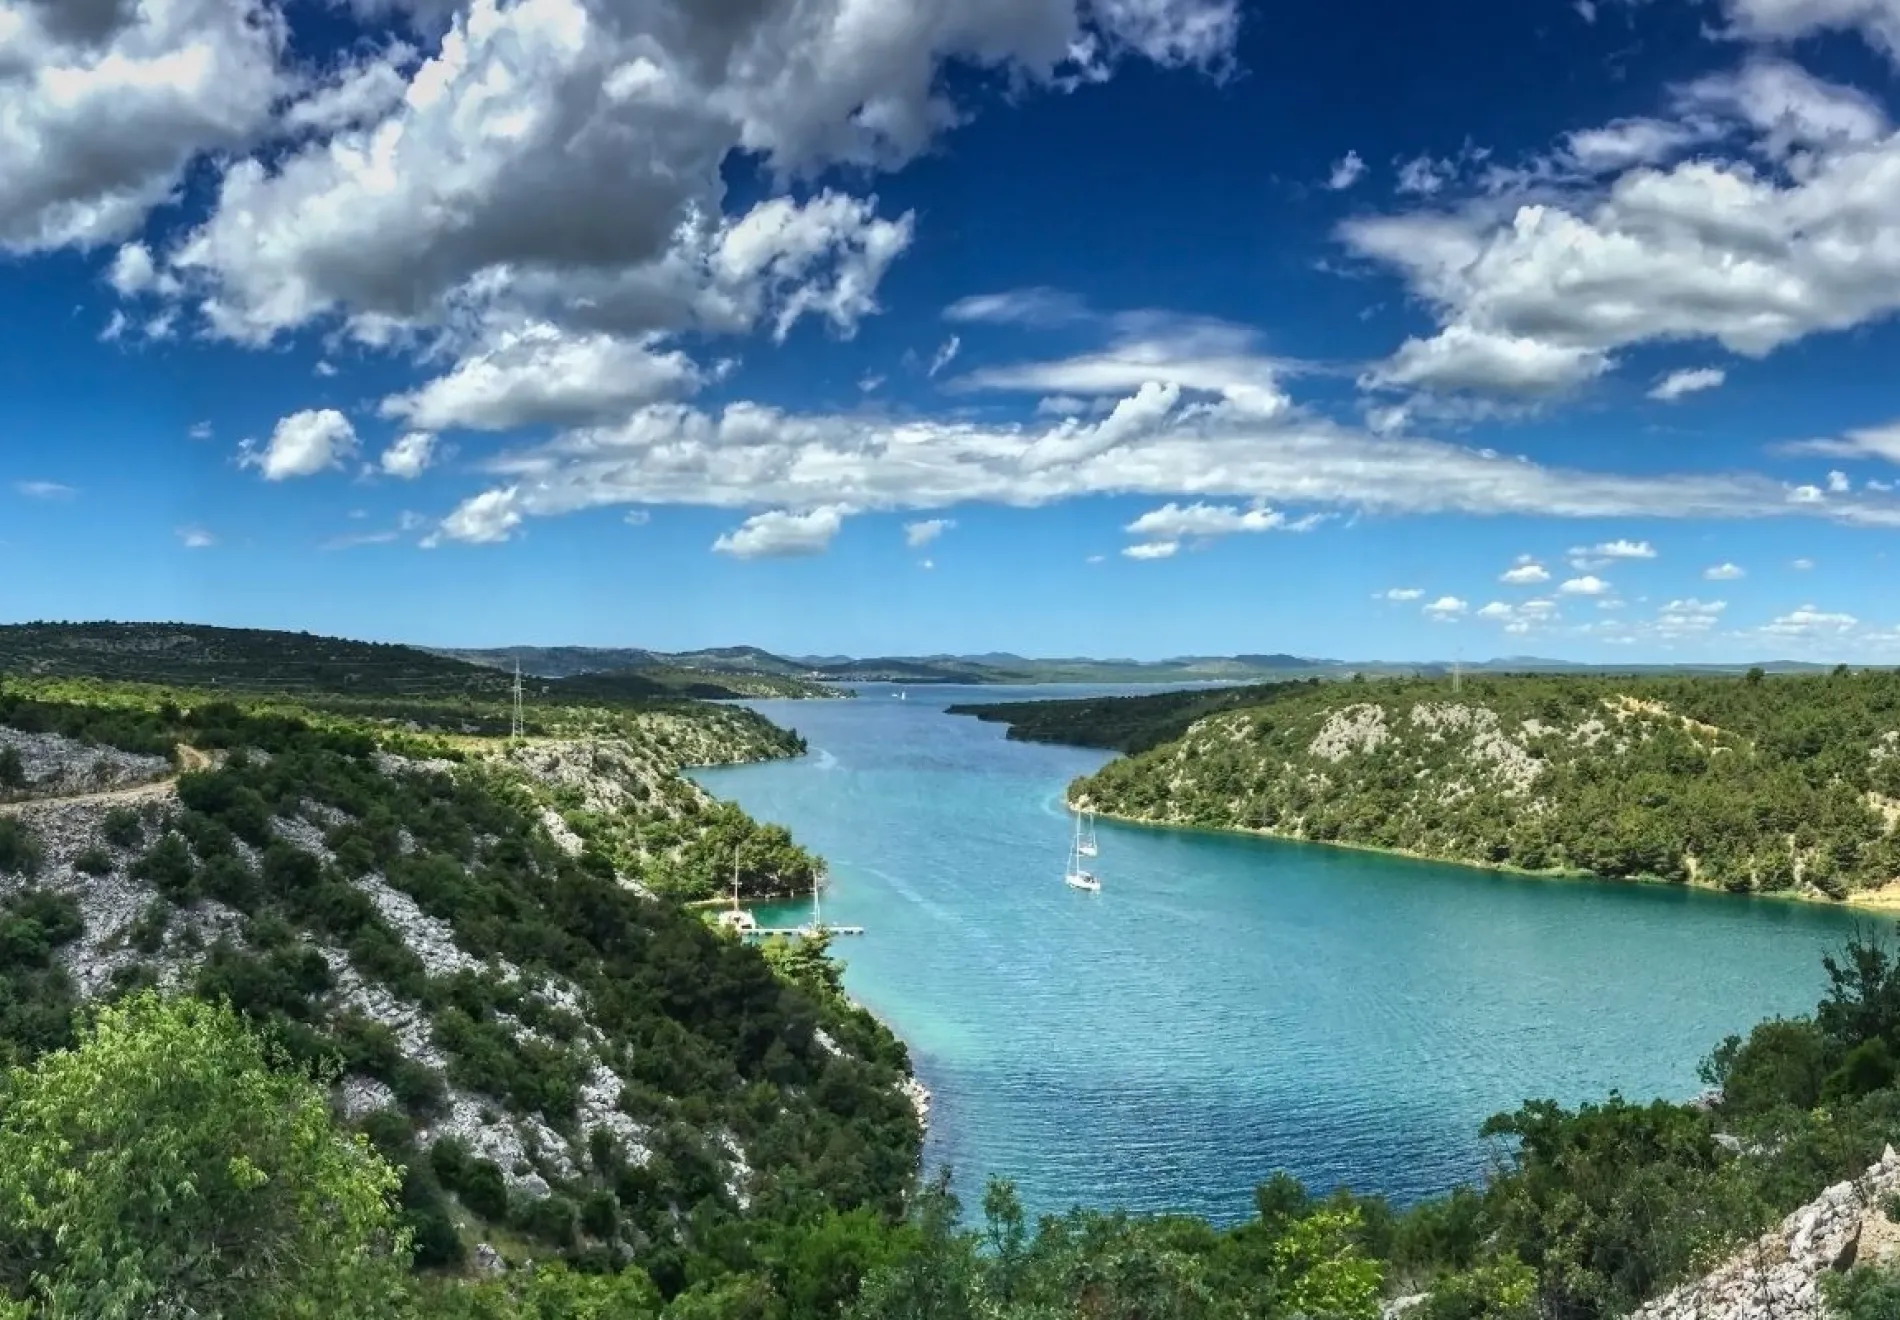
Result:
{"points": [[1779, 1277]]}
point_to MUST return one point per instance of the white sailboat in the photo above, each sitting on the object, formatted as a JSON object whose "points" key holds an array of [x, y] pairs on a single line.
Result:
{"points": [[1078, 875], [816, 926], [1085, 842]]}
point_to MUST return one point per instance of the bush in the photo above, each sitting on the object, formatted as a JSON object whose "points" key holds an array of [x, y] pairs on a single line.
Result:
{"points": [[94, 862], [147, 933], [552, 1219], [168, 868], [1781, 1063], [1863, 1293], [19, 851], [123, 828], [483, 1190], [1506, 1290], [1868, 1067], [600, 1214], [12, 768]]}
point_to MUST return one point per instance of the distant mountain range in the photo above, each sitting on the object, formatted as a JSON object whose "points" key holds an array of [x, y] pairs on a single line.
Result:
{"points": [[994, 668]]}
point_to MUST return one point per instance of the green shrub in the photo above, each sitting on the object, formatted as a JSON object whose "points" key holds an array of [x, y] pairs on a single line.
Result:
{"points": [[483, 1190], [94, 862], [20, 852], [600, 1214], [552, 1218], [1863, 1293], [123, 828], [147, 933], [168, 868]]}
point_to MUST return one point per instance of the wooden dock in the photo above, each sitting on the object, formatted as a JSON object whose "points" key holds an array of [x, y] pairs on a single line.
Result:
{"points": [[801, 931]]}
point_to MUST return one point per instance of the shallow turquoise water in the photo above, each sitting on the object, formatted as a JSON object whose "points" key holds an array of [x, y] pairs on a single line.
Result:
{"points": [[1231, 1006]]}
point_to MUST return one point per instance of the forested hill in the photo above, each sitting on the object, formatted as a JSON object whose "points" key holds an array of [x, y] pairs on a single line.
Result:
{"points": [[252, 660], [1750, 784], [1120, 724], [238, 660]]}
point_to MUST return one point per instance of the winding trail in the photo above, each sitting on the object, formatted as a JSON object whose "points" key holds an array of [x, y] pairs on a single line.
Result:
{"points": [[190, 759], [155, 788]]}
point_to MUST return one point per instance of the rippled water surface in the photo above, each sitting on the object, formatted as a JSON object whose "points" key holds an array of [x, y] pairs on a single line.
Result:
{"points": [[1231, 1006]]}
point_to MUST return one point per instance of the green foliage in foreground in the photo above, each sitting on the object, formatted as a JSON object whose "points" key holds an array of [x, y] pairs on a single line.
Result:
{"points": [[172, 1161], [166, 1167], [1750, 784]]}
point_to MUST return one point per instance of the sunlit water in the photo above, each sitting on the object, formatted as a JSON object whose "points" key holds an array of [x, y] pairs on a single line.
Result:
{"points": [[1230, 1006]]}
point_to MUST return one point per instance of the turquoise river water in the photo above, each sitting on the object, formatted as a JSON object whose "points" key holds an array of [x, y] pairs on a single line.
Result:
{"points": [[1229, 1006]]}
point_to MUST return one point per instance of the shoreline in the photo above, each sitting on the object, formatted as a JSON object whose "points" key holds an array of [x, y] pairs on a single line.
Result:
{"points": [[1883, 901]]}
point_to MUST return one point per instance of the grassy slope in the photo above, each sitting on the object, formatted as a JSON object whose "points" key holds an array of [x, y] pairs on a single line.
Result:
{"points": [[1785, 784]]}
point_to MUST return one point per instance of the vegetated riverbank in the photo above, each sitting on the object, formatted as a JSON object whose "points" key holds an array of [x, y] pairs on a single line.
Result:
{"points": [[1882, 900], [1776, 786]]}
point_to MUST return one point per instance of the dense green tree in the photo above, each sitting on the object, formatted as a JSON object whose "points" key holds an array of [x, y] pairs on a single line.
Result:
{"points": [[1782, 1062], [166, 1167]]}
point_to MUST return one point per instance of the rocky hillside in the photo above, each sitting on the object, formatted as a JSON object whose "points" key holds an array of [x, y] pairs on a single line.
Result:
{"points": [[626, 796], [563, 1063], [1786, 1274], [1775, 784]]}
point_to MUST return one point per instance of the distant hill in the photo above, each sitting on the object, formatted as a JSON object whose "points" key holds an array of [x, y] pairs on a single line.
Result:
{"points": [[242, 660], [721, 673], [994, 668]]}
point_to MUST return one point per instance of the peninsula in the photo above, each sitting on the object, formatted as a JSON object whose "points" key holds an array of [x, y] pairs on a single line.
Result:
{"points": [[1753, 784]]}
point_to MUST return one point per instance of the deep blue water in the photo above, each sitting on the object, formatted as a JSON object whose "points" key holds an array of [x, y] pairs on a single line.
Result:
{"points": [[1230, 1006]]}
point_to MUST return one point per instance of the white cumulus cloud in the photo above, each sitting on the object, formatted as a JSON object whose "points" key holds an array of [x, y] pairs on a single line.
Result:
{"points": [[782, 535], [1808, 621], [1725, 573], [1677, 384], [1527, 572], [105, 105], [1586, 585], [1177, 522], [410, 456], [302, 445], [1446, 608], [922, 533], [1347, 172], [1787, 224], [539, 375]]}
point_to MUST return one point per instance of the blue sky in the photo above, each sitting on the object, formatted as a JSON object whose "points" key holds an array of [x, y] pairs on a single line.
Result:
{"points": [[1118, 327]]}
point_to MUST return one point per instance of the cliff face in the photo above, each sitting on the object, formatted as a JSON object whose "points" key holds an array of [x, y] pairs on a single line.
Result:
{"points": [[1534, 774], [1781, 1276]]}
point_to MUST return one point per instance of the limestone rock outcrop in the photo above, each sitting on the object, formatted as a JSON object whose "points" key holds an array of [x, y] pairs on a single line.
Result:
{"points": [[1779, 1277]]}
